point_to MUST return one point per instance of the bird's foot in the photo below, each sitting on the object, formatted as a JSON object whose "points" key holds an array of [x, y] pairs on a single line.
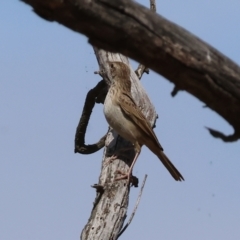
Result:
{"points": [[130, 178], [124, 175], [111, 159]]}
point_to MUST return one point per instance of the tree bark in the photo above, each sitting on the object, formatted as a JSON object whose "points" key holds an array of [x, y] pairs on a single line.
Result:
{"points": [[111, 203], [126, 27]]}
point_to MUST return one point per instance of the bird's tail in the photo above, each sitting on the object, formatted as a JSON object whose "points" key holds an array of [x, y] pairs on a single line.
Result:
{"points": [[170, 167]]}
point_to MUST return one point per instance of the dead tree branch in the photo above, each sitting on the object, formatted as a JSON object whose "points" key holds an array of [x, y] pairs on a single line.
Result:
{"points": [[111, 203], [141, 68], [190, 63], [97, 94]]}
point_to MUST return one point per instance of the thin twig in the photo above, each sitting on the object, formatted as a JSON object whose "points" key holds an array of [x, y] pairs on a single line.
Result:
{"points": [[135, 208], [175, 91], [153, 6], [226, 138], [141, 68]]}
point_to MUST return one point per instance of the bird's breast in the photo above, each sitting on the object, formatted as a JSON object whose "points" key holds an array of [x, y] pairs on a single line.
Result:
{"points": [[117, 120], [113, 113]]}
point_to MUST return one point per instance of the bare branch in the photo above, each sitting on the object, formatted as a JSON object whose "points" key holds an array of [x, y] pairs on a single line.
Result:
{"points": [[230, 138], [175, 91], [190, 63], [110, 205], [97, 94], [153, 5], [141, 68]]}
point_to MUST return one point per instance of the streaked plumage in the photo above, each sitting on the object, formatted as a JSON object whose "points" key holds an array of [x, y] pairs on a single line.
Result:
{"points": [[124, 116]]}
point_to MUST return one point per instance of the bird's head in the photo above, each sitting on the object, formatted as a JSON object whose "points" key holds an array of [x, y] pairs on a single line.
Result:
{"points": [[119, 70]]}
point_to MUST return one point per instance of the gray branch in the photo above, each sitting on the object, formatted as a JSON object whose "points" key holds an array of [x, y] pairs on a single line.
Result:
{"points": [[111, 203]]}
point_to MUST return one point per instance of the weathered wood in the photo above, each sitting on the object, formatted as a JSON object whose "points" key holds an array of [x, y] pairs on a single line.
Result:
{"points": [[125, 26], [111, 204]]}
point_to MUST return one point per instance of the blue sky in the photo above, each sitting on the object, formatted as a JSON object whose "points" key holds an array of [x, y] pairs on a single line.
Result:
{"points": [[46, 71]]}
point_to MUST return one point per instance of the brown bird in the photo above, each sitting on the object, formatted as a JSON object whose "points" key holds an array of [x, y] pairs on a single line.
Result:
{"points": [[125, 117]]}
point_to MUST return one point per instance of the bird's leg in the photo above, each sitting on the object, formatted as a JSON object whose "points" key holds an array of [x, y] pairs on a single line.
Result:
{"points": [[129, 174]]}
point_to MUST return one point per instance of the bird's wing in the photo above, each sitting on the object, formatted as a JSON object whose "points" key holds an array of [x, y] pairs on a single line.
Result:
{"points": [[130, 108]]}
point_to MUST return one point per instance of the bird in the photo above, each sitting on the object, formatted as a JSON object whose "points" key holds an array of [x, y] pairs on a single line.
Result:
{"points": [[126, 118]]}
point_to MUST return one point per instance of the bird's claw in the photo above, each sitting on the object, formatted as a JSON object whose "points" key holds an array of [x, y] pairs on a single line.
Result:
{"points": [[130, 178], [111, 159]]}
